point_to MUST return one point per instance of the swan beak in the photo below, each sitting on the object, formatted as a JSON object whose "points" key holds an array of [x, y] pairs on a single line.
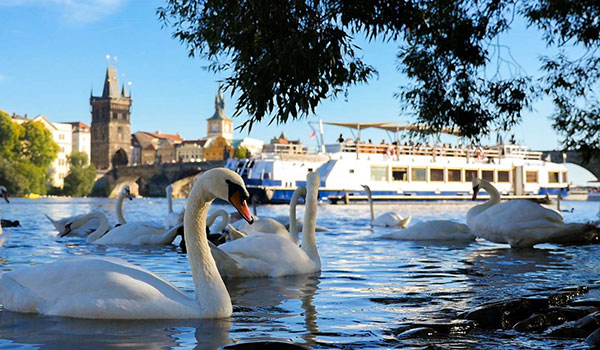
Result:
{"points": [[66, 231], [241, 206], [5, 196], [475, 191]]}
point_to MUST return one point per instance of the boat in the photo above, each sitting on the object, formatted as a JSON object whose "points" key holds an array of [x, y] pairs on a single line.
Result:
{"points": [[398, 171], [32, 195]]}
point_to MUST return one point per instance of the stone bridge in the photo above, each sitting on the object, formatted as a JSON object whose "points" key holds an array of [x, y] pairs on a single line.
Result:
{"points": [[593, 165], [151, 180]]}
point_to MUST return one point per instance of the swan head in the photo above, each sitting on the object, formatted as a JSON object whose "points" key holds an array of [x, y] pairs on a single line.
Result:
{"points": [[4, 193], [476, 186], [227, 185], [126, 191]]}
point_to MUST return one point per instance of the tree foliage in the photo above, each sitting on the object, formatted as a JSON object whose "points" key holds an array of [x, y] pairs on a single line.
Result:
{"points": [[26, 152], [241, 152], [80, 179], [286, 57]]}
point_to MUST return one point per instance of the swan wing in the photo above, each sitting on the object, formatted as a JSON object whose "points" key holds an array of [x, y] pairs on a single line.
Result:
{"points": [[390, 219], [434, 230], [135, 233], [93, 287]]}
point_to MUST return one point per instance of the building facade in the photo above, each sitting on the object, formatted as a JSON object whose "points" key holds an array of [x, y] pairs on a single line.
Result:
{"points": [[220, 125], [217, 149], [81, 138], [154, 147], [111, 126], [190, 151]]}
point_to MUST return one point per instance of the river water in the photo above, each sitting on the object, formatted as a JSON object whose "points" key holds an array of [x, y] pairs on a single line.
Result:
{"points": [[367, 286]]}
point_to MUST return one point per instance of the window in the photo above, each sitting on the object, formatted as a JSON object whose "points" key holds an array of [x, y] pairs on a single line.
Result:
{"points": [[61, 136], [470, 174], [378, 173], [454, 175], [418, 174], [214, 127], [553, 177], [487, 175], [351, 171], [436, 175], [399, 174], [503, 176], [531, 177], [565, 179]]}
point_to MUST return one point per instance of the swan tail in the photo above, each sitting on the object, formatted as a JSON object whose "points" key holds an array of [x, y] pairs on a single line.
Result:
{"points": [[577, 234], [404, 222], [235, 234]]}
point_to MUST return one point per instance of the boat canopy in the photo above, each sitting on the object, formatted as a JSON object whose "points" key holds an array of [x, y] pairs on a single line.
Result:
{"points": [[418, 128]]}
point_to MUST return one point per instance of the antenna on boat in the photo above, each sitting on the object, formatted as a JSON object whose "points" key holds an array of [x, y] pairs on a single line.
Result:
{"points": [[322, 148]]}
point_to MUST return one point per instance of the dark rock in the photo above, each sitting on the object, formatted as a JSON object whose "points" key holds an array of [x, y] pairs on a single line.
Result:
{"points": [[565, 295], [505, 314], [441, 327], [265, 345], [534, 323], [401, 300], [9, 223], [421, 332], [593, 340], [577, 329], [587, 302], [574, 312]]}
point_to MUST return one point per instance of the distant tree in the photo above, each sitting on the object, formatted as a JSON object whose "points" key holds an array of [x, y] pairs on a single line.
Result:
{"points": [[10, 135], [286, 57], [38, 145], [241, 152], [80, 179]]}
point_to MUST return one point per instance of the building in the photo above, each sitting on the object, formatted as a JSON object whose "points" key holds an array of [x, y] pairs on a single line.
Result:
{"points": [[190, 151], [217, 149], [254, 146], [62, 135], [154, 147], [282, 144], [220, 125], [110, 131], [81, 139]]}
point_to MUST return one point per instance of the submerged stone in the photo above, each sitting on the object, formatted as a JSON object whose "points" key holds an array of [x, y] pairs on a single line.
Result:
{"points": [[580, 328], [505, 314], [593, 340], [265, 345], [440, 327], [421, 332], [534, 323]]}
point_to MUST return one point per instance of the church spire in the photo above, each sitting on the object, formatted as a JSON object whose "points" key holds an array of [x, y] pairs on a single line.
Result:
{"points": [[219, 106], [123, 91], [111, 83]]}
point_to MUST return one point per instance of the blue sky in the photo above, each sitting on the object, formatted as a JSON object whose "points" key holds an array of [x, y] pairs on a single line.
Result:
{"points": [[55, 52]]}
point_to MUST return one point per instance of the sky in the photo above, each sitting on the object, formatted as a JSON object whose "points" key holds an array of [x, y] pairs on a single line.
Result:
{"points": [[54, 54]]}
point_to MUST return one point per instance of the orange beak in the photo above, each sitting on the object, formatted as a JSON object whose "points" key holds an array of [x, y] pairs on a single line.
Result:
{"points": [[241, 206]]}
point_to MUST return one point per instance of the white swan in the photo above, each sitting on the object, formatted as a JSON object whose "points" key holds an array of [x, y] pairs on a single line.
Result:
{"points": [[3, 235], [81, 228], [263, 225], [131, 233], [387, 219], [220, 226], [268, 255], [520, 223], [433, 230], [109, 288], [173, 218]]}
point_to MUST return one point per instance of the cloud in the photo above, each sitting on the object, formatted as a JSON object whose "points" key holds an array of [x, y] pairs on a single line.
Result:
{"points": [[77, 11]]}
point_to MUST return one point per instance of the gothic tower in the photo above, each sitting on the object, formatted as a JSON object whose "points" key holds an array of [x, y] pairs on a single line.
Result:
{"points": [[219, 124], [111, 130]]}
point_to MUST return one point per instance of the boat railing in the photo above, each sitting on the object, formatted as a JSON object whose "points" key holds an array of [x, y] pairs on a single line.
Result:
{"points": [[279, 148], [481, 153]]}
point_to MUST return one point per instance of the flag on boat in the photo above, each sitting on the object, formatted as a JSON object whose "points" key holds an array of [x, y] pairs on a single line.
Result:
{"points": [[313, 133]]}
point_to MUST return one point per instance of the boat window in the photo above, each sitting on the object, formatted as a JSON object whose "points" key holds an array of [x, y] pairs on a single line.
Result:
{"points": [[565, 178], [399, 174], [418, 174], [454, 175], [310, 170], [531, 177], [351, 171], [470, 174], [503, 176], [436, 175], [378, 173], [553, 177], [487, 175]]}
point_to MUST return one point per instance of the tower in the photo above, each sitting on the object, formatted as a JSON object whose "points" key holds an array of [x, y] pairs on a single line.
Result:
{"points": [[111, 128], [219, 124]]}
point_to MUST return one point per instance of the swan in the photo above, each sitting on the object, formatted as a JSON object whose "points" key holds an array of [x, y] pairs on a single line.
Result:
{"points": [[173, 218], [3, 235], [263, 225], [109, 288], [388, 219], [268, 255], [520, 223], [83, 228], [433, 230], [216, 238], [131, 233]]}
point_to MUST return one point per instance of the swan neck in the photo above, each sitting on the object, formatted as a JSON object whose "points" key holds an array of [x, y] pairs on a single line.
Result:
{"points": [[221, 213], [293, 223], [170, 201], [370, 200], [120, 217], [100, 230], [493, 192], [211, 294], [309, 241]]}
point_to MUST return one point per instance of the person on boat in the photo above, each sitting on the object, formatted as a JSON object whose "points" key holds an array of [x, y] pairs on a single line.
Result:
{"points": [[341, 138]]}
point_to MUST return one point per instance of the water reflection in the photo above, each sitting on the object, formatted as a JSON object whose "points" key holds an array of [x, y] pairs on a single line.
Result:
{"points": [[62, 333]]}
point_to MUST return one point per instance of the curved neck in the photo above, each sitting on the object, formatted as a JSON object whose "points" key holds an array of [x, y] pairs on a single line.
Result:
{"points": [[170, 201], [120, 217], [370, 200], [493, 192], [224, 215], [101, 229], [211, 293], [309, 242], [300, 191]]}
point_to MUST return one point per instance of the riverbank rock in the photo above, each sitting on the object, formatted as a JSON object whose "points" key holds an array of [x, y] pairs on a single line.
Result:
{"points": [[264, 345]]}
